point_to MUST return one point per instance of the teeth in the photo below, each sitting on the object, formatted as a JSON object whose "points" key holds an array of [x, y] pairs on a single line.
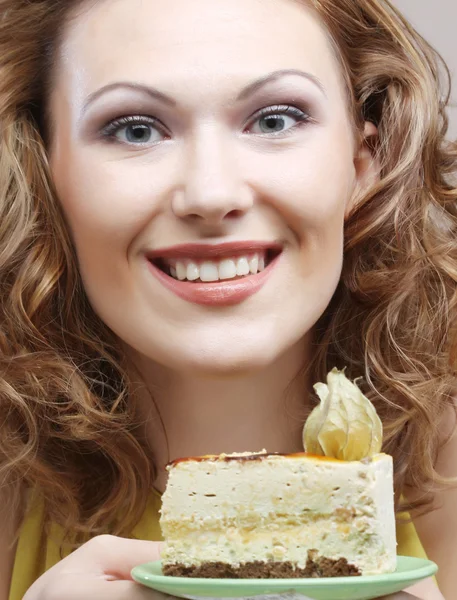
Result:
{"points": [[242, 266], [254, 265], [181, 271], [193, 272], [208, 271], [227, 269]]}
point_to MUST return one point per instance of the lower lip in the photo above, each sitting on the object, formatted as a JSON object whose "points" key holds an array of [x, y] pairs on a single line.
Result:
{"points": [[217, 293]]}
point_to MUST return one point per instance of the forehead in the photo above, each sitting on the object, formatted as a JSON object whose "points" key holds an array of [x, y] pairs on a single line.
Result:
{"points": [[178, 41]]}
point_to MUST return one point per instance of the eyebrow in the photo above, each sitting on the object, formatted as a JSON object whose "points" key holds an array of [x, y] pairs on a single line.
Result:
{"points": [[126, 85], [247, 92], [272, 77]]}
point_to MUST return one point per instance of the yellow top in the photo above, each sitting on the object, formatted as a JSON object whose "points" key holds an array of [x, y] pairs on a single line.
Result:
{"points": [[37, 552]]}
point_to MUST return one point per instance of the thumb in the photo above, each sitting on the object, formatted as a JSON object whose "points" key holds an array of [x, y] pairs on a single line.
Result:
{"points": [[400, 596], [113, 557]]}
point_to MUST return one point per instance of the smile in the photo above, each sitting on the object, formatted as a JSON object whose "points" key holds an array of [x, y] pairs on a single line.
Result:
{"points": [[216, 275]]}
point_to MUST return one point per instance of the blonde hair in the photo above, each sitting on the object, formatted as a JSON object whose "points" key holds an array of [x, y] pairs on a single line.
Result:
{"points": [[397, 293], [67, 428]]}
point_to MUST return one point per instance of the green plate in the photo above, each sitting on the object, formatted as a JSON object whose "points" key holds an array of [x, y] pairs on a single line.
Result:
{"points": [[409, 571]]}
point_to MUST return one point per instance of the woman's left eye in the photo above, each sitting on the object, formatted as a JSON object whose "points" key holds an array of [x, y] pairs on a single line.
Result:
{"points": [[274, 120], [134, 130]]}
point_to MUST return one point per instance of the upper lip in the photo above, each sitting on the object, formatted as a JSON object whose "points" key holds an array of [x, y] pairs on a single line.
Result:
{"points": [[205, 251]]}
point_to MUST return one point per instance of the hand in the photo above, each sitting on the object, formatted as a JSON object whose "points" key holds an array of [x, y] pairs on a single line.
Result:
{"points": [[99, 570], [425, 590]]}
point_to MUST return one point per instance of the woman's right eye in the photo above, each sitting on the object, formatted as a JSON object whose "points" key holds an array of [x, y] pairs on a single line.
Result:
{"points": [[135, 131]]}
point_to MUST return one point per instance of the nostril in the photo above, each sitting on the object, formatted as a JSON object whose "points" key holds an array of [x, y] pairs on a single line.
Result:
{"points": [[234, 214]]}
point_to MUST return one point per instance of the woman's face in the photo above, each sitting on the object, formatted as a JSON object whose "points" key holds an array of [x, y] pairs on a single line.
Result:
{"points": [[205, 162]]}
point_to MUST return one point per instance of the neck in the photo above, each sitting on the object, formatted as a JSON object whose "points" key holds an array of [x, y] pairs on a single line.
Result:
{"points": [[192, 415]]}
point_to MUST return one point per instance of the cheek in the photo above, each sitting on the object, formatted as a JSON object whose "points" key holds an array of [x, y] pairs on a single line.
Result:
{"points": [[107, 204], [105, 197], [312, 192], [311, 188]]}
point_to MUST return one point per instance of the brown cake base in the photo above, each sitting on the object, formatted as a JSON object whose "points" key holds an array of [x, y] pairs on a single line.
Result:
{"points": [[315, 567]]}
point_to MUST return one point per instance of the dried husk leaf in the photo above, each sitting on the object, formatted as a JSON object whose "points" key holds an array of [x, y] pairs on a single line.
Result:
{"points": [[345, 424]]}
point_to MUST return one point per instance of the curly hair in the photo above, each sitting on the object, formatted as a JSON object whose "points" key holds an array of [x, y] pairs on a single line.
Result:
{"points": [[67, 427]]}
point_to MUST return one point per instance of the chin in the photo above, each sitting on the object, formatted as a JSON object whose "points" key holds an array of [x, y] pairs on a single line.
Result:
{"points": [[228, 358], [221, 350], [227, 365]]}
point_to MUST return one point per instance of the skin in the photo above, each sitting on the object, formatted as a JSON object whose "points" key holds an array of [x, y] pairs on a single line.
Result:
{"points": [[214, 176], [121, 201]]}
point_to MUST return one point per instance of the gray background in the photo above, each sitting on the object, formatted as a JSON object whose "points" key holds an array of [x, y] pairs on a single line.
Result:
{"points": [[436, 20]]}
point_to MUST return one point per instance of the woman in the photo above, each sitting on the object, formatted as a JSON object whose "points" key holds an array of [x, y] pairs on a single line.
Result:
{"points": [[156, 156]]}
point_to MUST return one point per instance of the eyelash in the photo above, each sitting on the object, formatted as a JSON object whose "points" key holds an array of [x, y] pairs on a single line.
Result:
{"points": [[111, 129], [282, 109]]}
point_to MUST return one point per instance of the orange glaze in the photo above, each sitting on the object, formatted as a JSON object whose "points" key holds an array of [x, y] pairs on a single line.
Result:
{"points": [[251, 457]]}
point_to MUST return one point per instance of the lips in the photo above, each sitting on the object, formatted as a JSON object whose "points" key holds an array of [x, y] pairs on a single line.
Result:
{"points": [[215, 274]]}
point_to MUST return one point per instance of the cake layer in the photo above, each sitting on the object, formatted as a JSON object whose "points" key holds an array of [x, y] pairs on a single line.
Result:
{"points": [[236, 547], [238, 511], [315, 567]]}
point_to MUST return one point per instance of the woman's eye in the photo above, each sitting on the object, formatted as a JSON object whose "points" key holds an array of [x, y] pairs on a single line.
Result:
{"points": [[277, 119], [134, 131], [135, 134]]}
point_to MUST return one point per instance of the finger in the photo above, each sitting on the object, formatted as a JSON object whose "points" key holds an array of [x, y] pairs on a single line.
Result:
{"points": [[426, 589], [112, 556], [74, 587], [400, 596], [90, 572]]}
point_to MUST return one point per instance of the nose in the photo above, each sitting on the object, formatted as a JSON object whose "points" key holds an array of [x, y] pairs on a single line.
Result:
{"points": [[213, 190]]}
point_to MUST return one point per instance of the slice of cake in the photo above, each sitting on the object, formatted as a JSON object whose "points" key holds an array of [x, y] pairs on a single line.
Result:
{"points": [[266, 515]]}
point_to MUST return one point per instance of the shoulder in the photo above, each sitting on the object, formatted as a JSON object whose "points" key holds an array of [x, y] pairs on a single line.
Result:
{"points": [[10, 516], [438, 528]]}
